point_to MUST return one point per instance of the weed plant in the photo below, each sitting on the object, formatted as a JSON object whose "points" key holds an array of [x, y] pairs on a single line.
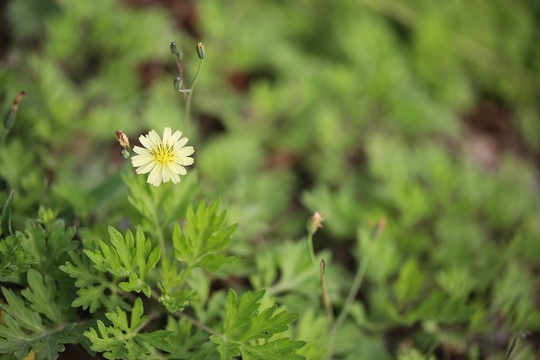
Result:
{"points": [[359, 180]]}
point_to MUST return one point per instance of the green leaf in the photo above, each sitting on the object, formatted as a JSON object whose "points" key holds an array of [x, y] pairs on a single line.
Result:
{"points": [[212, 262], [49, 245], [175, 300], [244, 324], [266, 323], [227, 350], [123, 340], [24, 331], [239, 314], [92, 285], [14, 259], [275, 350], [24, 317], [205, 234], [158, 339], [6, 215], [42, 293], [127, 257]]}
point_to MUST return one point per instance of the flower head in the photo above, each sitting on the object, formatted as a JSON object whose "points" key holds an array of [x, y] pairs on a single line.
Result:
{"points": [[314, 223], [163, 158], [122, 138]]}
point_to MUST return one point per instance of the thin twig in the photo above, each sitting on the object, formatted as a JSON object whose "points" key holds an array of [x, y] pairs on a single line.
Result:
{"points": [[325, 297]]}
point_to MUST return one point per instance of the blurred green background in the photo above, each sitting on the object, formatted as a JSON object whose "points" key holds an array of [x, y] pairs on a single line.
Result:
{"points": [[423, 112]]}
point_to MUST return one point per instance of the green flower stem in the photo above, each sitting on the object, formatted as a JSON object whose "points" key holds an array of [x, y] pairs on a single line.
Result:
{"points": [[357, 282], [190, 95], [159, 231], [325, 297], [199, 324], [185, 274], [311, 250]]}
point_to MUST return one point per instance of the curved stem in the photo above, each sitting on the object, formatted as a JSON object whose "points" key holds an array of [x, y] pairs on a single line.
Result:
{"points": [[357, 282], [311, 251], [190, 95], [159, 231]]}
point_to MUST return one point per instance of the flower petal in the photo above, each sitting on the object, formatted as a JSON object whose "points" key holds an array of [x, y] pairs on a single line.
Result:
{"points": [[175, 178], [166, 135], [186, 161], [141, 160], [166, 173], [174, 138], [146, 168], [155, 176], [180, 143], [188, 150], [146, 142], [140, 150], [154, 138], [178, 168]]}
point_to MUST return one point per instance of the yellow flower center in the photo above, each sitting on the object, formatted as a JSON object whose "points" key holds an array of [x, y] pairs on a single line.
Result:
{"points": [[163, 154]]}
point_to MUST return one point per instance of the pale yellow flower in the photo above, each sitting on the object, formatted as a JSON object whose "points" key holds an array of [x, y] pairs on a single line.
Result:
{"points": [[163, 159]]}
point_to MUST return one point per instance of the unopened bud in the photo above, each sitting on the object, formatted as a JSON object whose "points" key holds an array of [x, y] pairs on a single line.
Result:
{"points": [[125, 154], [201, 50], [122, 139], [12, 114], [178, 83], [174, 48], [314, 223]]}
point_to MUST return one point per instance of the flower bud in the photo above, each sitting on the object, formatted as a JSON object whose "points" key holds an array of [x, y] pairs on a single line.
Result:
{"points": [[314, 223], [12, 114], [122, 138], [174, 48], [201, 50], [178, 83], [125, 154]]}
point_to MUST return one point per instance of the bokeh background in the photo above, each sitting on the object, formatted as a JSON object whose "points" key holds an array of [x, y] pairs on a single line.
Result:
{"points": [[424, 113]]}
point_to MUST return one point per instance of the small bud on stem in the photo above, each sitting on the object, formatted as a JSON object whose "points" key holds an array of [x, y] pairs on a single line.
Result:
{"points": [[314, 223], [178, 83], [12, 114], [174, 48], [201, 50], [122, 138]]}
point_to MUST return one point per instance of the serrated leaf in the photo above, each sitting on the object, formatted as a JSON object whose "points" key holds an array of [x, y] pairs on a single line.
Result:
{"points": [[265, 324], [147, 258], [212, 262], [127, 258], [227, 350], [239, 313], [91, 294], [124, 247], [137, 318], [25, 317], [14, 340], [205, 234], [282, 349], [49, 245], [244, 324], [123, 340], [158, 339], [90, 298], [175, 300], [41, 293], [14, 259]]}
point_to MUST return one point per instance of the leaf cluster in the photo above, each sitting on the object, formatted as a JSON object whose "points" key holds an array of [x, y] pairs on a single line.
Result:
{"points": [[244, 324]]}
